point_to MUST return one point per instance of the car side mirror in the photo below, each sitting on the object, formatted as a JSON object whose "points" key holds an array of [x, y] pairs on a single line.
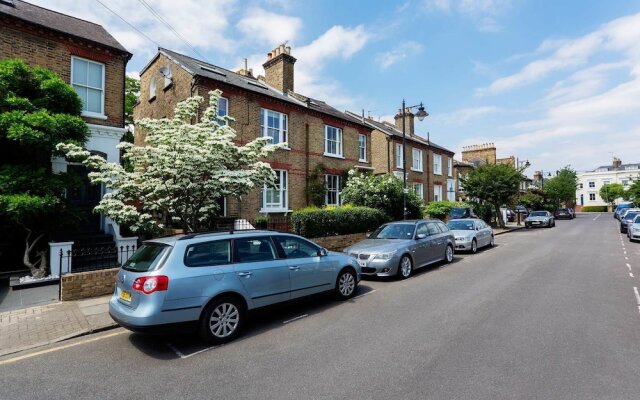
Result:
{"points": [[421, 236], [322, 252]]}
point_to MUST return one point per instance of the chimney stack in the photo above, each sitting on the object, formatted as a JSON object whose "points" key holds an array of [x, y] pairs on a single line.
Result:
{"points": [[616, 163], [409, 122], [279, 68]]}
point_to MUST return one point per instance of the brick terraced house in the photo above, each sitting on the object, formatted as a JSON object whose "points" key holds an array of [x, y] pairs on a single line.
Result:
{"points": [[430, 167], [321, 140], [87, 57]]}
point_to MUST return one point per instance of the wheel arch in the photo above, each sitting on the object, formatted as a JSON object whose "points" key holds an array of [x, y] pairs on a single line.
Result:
{"points": [[232, 294]]}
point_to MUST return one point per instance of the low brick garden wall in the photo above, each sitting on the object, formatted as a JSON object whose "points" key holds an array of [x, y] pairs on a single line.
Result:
{"points": [[83, 285], [337, 243]]}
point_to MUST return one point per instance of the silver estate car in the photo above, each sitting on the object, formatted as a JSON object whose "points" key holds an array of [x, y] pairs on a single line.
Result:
{"points": [[209, 281], [400, 247], [540, 218], [471, 234], [633, 229]]}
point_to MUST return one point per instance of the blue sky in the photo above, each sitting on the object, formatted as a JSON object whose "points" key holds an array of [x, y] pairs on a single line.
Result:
{"points": [[553, 82]]}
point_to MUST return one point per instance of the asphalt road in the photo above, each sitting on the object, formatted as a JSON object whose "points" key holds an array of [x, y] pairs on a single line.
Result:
{"points": [[546, 314]]}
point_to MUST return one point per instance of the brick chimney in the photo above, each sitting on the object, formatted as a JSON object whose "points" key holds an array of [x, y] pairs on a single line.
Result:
{"points": [[616, 163], [409, 122], [279, 68]]}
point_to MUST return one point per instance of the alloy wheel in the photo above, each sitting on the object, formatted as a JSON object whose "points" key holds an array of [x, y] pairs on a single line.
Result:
{"points": [[224, 320], [405, 267], [346, 284]]}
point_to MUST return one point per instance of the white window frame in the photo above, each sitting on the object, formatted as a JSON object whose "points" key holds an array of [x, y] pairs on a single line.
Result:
{"points": [[437, 192], [592, 194], [437, 164], [418, 189], [329, 143], [591, 184], [168, 78], [152, 88], [226, 110], [450, 167], [283, 125], [362, 148], [282, 190], [399, 156], [332, 187], [88, 113], [419, 165]]}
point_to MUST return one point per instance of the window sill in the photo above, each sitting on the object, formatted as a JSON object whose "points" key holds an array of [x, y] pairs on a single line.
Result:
{"points": [[439, 174], [333, 155], [93, 115], [417, 170], [167, 87], [364, 161], [274, 210], [151, 99]]}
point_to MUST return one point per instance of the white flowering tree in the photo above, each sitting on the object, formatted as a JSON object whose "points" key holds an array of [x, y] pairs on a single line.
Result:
{"points": [[183, 171]]}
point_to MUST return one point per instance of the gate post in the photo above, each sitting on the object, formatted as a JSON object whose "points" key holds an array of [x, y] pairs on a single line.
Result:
{"points": [[57, 269]]}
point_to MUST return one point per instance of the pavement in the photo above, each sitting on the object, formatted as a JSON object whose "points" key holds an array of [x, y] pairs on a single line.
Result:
{"points": [[31, 327]]}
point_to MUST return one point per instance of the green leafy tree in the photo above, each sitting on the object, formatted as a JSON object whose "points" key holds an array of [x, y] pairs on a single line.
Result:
{"points": [[533, 199], [609, 192], [383, 192], [131, 94], [633, 193], [495, 184], [562, 187], [440, 209], [37, 111]]}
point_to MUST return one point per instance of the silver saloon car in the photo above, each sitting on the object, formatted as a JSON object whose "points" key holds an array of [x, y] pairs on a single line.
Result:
{"points": [[540, 218], [397, 248], [633, 230], [471, 234], [210, 281]]}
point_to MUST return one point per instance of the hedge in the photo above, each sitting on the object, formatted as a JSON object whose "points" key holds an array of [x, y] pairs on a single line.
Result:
{"points": [[321, 222], [594, 209]]}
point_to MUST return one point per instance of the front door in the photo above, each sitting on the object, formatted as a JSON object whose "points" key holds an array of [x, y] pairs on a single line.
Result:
{"points": [[85, 197], [264, 276]]}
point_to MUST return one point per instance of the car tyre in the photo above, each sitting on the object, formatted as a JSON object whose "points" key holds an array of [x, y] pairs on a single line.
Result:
{"points": [[448, 254], [474, 246], [346, 284], [405, 268], [222, 320]]}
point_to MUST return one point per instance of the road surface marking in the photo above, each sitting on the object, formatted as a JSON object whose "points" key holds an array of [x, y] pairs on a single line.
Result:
{"points": [[635, 289], [628, 266], [175, 350], [626, 258], [364, 294], [630, 274], [183, 356], [54, 349], [296, 318], [597, 216]]}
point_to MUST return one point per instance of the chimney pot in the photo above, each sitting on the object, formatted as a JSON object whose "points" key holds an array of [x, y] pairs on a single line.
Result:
{"points": [[269, 56]]}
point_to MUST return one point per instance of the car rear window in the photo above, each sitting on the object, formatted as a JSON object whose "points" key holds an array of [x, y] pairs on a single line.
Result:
{"points": [[461, 225], [146, 257], [631, 215], [458, 212], [208, 253]]}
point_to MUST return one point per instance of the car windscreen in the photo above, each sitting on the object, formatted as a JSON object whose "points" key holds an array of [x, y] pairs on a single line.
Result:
{"points": [[538, 214], [460, 225], [458, 212], [631, 215], [394, 231], [146, 257]]}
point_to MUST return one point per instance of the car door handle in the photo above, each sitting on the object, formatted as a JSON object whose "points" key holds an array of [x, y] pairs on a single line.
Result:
{"points": [[294, 268], [245, 274]]}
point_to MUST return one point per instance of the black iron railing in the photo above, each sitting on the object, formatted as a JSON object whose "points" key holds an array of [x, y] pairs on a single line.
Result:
{"points": [[94, 258]]}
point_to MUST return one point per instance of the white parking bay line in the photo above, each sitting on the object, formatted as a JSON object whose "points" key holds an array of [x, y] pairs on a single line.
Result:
{"points": [[175, 350], [597, 216], [635, 289], [364, 294], [183, 356], [630, 274], [629, 266], [296, 318]]}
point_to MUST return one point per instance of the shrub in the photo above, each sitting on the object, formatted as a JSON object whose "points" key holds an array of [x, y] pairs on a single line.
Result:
{"points": [[440, 209], [594, 209], [320, 222]]}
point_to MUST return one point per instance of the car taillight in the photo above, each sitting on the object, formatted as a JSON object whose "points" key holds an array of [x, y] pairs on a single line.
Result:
{"points": [[150, 284]]}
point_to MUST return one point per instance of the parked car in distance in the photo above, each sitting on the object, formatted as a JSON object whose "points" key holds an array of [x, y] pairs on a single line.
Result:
{"points": [[539, 218], [520, 209], [509, 214], [210, 281], [572, 211], [633, 229], [471, 234], [620, 208], [398, 248], [629, 215], [563, 213], [462, 212]]}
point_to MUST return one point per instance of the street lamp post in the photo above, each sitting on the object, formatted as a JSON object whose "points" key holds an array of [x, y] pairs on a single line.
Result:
{"points": [[421, 114]]}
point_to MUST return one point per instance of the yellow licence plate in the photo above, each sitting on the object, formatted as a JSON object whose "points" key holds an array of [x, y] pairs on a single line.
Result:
{"points": [[124, 295]]}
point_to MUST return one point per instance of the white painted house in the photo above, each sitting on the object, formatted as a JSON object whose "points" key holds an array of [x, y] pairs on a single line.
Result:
{"points": [[590, 182]]}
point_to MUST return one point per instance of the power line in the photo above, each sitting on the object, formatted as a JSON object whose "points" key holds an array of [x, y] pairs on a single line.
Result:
{"points": [[128, 23], [168, 25]]}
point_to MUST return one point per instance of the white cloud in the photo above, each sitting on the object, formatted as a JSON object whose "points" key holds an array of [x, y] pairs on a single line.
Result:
{"points": [[262, 26], [463, 116], [387, 59], [620, 35], [485, 13]]}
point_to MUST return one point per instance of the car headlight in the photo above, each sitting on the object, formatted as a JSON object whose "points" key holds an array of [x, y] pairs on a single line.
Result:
{"points": [[384, 256]]}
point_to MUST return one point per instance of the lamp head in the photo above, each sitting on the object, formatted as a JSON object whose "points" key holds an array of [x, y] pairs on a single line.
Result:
{"points": [[421, 114]]}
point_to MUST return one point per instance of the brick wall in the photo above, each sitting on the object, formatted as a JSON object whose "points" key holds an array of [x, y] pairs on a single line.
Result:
{"points": [[337, 243], [83, 285], [37, 46]]}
